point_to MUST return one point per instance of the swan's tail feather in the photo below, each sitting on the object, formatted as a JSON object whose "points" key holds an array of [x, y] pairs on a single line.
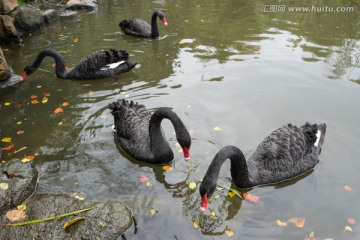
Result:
{"points": [[122, 107], [315, 133]]}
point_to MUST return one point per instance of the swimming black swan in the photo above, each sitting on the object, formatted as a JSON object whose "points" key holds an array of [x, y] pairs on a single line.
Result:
{"points": [[99, 64], [288, 152], [140, 135], [140, 28]]}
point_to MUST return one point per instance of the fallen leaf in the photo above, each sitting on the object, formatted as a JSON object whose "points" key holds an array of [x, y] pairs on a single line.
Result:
{"points": [[191, 131], [8, 148], [167, 168], [20, 132], [7, 104], [298, 222], [143, 178], [45, 100], [21, 207], [351, 221], [347, 229], [328, 239], [18, 150], [72, 221], [6, 139], [180, 150], [251, 198], [217, 129], [46, 94], [35, 101], [231, 194], [148, 184], [192, 185], [19, 122], [79, 197], [33, 96], [280, 223], [102, 224], [196, 224], [65, 104], [348, 188], [152, 211], [311, 236], [27, 158], [4, 186], [76, 40], [58, 110], [60, 123], [15, 215], [213, 214], [229, 232]]}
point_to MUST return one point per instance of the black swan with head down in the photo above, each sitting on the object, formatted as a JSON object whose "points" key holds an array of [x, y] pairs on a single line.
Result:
{"points": [[286, 153], [140, 135], [140, 28], [99, 64]]}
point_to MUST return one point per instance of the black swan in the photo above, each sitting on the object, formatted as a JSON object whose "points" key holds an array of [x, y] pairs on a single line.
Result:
{"points": [[140, 28], [99, 64], [286, 153], [140, 135]]}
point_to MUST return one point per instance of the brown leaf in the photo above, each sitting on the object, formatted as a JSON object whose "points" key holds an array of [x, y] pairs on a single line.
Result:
{"points": [[58, 110], [65, 104], [16, 215], [298, 222]]}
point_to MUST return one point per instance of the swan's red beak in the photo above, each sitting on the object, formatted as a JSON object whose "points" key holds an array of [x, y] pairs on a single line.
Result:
{"points": [[24, 75], [164, 21], [186, 152], [204, 203]]}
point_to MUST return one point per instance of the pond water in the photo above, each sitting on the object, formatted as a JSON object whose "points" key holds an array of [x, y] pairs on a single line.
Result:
{"points": [[246, 67]]}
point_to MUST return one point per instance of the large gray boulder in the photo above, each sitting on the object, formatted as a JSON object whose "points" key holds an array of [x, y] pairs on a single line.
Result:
{"points": [[108, 219], [28, 18], [7, 77], [21, 180], [82, 4]]}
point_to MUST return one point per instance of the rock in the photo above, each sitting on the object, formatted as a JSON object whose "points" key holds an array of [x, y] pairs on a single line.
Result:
{"points": [[8, 33], [50, 15], [5, 71], [7, 6], [107, 220], [68, 14], [11, 82], [21, 179], [28, 18], [81, 4]]}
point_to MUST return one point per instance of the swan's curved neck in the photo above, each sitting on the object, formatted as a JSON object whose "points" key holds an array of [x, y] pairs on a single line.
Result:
{"points": [[239, 169], [154, 26], [59, 62], [159, 145]]}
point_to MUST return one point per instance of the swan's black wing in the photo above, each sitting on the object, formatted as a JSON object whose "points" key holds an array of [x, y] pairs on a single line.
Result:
{"points": [[287, 152], [136, 26], [99, 59], [131, 119]]}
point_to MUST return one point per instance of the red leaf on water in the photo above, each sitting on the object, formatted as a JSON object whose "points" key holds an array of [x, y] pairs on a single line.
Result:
{"points": [[46, 94], [351, 221], [143, 178], [348, 188], [251, 198], [8, 148], [58, 110], [33, 96]]}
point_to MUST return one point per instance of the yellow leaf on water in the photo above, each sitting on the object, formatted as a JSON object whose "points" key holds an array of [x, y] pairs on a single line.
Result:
{"points": [[167, 168], [21, 207], [44, 100], [347, 229], [7, 104], [148, 184], [20, 132], [15, 215], [6, 139], [76, 40], [72, 221], [196, 224], [19, 122], [60, 123], [4, 186], [298, 222], [280, 223], [217, 128], [152, 211], [231, 194], [328, 239], [229, 232], [213, 214], [192, 185]]}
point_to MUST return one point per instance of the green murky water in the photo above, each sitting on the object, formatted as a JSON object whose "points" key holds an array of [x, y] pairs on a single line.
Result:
{"points": [[247, 67]]}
